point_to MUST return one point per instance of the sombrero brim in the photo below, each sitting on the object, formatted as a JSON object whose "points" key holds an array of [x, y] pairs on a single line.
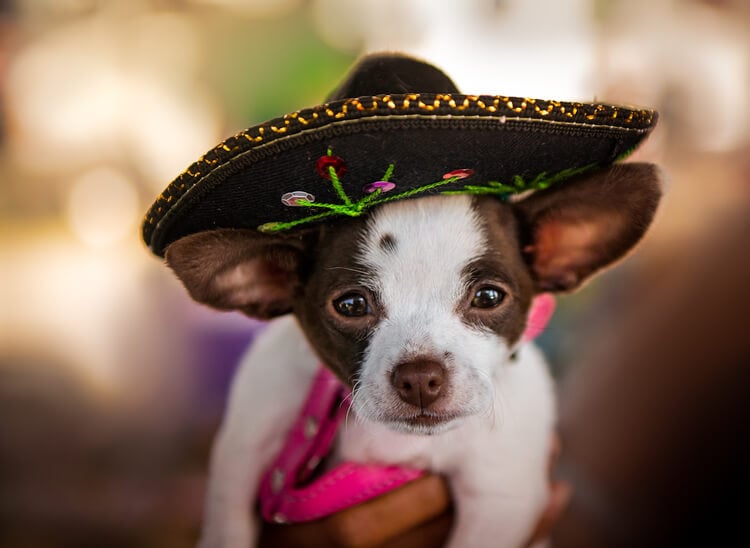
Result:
{"points": [[344, 157]]}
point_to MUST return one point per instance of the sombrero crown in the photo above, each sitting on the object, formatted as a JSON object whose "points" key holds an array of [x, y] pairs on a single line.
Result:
{"points": [[396, 128]]}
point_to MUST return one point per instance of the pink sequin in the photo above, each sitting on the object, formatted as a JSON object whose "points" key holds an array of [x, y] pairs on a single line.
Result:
{"points": [[384, 186]]}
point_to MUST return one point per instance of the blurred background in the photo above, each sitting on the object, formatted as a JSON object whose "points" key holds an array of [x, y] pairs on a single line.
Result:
{"points": [[112, 383]]}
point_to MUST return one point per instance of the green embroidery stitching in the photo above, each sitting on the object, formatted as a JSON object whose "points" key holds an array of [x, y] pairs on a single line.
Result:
{"points": [[348, 207], [539, 182], [337, 186], [388, 173]]}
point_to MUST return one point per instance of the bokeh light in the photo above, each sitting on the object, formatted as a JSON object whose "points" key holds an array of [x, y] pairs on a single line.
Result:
{"points": [[102, 207]]}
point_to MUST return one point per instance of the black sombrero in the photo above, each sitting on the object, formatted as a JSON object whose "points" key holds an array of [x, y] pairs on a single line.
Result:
{"points": [[395, 128]]}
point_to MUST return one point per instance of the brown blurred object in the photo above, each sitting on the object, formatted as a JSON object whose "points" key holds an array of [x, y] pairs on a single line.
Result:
{"points": [[414, 516], [654, 420]]}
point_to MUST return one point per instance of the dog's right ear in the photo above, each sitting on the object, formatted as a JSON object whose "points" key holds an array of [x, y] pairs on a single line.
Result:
{"points": [[243, 270]]}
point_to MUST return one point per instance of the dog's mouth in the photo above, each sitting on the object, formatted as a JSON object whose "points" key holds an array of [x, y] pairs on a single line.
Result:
{"points": [[424, 419], [424, 423]]}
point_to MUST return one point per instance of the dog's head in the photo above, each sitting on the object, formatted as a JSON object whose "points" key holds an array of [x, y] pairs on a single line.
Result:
{"points": [[418, 304]]}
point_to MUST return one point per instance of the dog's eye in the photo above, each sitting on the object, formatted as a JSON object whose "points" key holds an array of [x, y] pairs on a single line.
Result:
{"points": [[487, 297], [352, 305]]}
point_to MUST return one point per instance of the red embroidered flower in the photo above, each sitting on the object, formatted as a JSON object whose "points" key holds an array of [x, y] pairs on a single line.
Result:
{"points": [[325, 162], [383, 186], [459, 173]]}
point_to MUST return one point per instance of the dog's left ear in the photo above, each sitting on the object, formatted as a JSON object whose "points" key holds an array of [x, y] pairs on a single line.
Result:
{"points": [[243, 270], [572, 230]]}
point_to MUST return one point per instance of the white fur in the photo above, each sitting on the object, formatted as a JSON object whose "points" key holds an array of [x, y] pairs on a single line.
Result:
{"points": [[267, 393], [495, 455]]}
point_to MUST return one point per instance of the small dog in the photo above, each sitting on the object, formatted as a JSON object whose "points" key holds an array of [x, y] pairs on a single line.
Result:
{"points": [[419, 307]]}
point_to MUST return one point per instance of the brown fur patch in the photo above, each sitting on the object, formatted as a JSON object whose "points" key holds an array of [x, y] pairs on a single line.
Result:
{"points": [[387, 243], [339, 342], [501, 265]]}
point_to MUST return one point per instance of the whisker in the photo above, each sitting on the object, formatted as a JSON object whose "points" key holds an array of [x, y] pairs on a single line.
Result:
{"points": [[490, 409], [505, 411], [350, 397], [355, 270]]}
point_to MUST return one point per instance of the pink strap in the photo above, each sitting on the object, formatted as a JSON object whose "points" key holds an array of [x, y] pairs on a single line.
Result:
{"points": [[286, 493], [289, 493]]}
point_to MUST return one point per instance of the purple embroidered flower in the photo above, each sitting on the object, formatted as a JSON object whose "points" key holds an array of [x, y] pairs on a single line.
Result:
{"points": [[459, 173], [292, 199], [325, 162], [383, 186]]}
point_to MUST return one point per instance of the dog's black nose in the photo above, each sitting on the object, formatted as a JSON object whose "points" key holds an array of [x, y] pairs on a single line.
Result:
{"points": [[419, 382]]}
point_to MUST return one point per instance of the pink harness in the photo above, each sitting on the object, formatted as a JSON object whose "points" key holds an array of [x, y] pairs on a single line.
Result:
{"points": [[287, 494]]}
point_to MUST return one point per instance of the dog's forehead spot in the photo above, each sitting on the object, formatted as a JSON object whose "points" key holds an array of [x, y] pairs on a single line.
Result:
{"points": [[387, 242]]}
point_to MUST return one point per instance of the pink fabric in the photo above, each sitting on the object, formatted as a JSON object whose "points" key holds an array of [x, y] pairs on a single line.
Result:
{"points": [[542, 308], [288, 492]]}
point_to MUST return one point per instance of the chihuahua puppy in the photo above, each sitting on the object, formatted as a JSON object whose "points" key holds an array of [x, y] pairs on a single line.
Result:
{"points": [[419, 307]]}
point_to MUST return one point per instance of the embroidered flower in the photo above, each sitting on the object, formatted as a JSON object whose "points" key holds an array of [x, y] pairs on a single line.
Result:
{"points": [[383, 186], [292, 199], [459, 174], [328, 161]]}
